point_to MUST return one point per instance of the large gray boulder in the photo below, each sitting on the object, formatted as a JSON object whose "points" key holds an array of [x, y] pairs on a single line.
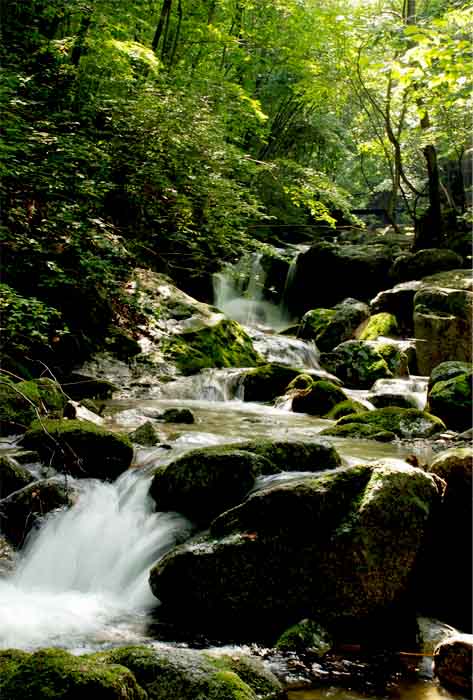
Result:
{"points": [[329, 272], [443, 309], [339, 547]]}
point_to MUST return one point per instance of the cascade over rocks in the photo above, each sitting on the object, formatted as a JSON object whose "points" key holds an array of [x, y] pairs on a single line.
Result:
{"points": [[443, 311], [23, 510], [338, 547]]}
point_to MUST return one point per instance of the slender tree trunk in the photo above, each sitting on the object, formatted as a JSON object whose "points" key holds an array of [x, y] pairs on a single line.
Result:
{"points": [[165, 12]]}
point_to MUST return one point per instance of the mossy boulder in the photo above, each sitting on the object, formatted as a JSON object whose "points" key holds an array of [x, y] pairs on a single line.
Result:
{"points": [[403, 422], [451, 400], [80, 448], [339, 547], [399, 302], [415, 266], [448, 579], [302, 381], [390, 398], [146, 435], [189, 674], [23, 510], [12, 476], [267, 382], [394, 356], [448, 370], [318, 399], [294, 455], [314, 322], [384, 324], [22, 402], [177, 415], [345, 408], [357, 363], [443, 311], [330, 327], [205, 482], [359, 431], [222, 343], [57, 675], [305, 637]]}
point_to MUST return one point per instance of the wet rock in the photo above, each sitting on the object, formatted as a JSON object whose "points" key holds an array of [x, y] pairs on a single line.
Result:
{"points": [[403, 422], [188, 674], [294, 455], [448, 370], [80, 448], [178, 415], [451, 400], [338, 547], [328, 273], [330, 327], [7, 557], [306, 636], [23, 510], [381, 324], [448, 579], [145, 435], [74, 409], [318, 399], [415, 266], [12, 476], [360, 431], [205, 482], [219, 343], [357, 363], [267, 382], [398, 301], [443, 319], [345, 408], [385, 399], [57, 675], [83, 386], [453, 662], [22, 402]]}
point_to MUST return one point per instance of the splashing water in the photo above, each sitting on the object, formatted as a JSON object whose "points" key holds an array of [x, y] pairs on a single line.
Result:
{"points": [[88, 566]]}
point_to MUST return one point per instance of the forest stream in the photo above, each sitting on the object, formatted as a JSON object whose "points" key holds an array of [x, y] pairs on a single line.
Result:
{"points": [[81, 581]]}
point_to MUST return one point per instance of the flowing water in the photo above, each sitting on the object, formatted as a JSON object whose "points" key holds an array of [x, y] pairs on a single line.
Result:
{"points": [[81, 581]]}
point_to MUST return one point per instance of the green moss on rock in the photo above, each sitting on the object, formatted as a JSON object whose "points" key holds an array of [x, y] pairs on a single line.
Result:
{"points": [[403, 422], [267, 382], [80, 448], [451, 400], [305, 636], [54, 674], [320, 398], [294, 455], [22, 402], [359, 431], [384, 324], [12, 476], [224, 344], [345, 408]]}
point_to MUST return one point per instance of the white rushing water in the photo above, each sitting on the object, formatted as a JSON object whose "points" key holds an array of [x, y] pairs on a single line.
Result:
{"points": [[87, 567]]}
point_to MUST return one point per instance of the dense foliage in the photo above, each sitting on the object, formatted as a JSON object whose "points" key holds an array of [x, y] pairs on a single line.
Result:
{"points": [[175, 135]]}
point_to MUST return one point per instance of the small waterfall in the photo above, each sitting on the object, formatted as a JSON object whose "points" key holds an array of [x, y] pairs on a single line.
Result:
{"points": [[239, 293], [87, 566], [208, 385]]}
